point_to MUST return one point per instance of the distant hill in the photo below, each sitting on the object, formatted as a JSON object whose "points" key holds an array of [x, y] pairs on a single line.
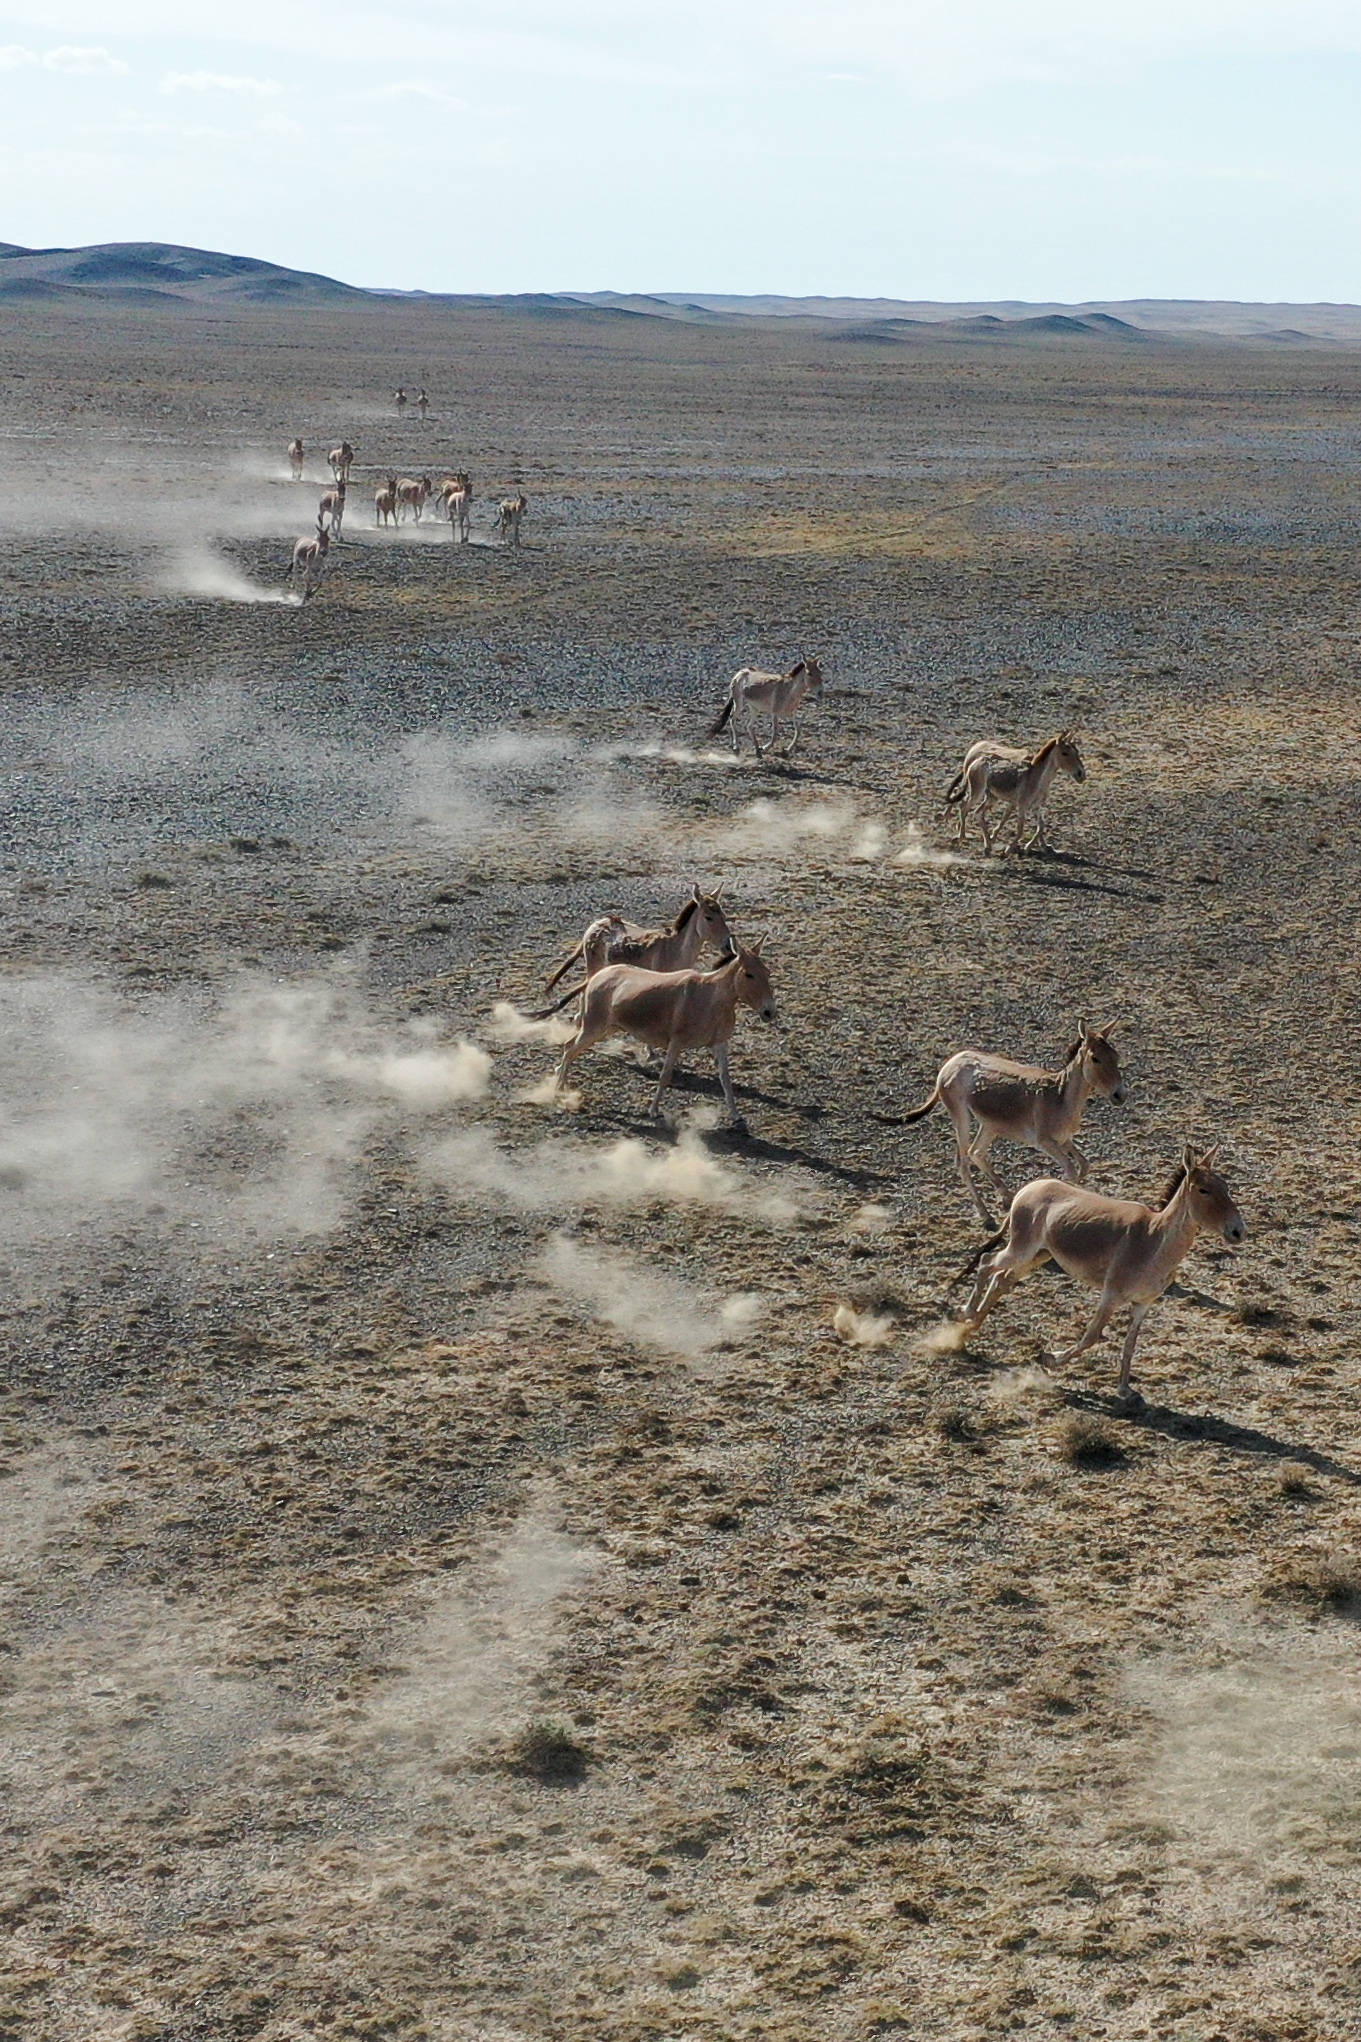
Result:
{"points": [[160, 274], [145, 272]]}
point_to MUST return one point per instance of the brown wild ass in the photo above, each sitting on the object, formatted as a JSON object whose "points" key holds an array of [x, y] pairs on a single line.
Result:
{"points": [[295, 458], [412, 495], [385, 503], [309, 558], [778, 695], [457, 496], [340, 461], [1013, 779], [675, 1012], [612, 940], [990, 1098], [331, 510], [1127, 1251], [422, 404], [509, 515]]}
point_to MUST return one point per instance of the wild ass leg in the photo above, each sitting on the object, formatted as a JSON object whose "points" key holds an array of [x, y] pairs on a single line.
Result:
{"points": [[1137, 1315], [963, 1127], [1000, 1274], [725, 1080], [669, 1063], [1069, 1157], [979, 1156], [1108, 1304]]}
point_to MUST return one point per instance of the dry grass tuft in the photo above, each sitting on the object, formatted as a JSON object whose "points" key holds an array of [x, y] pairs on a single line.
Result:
{"points": [[960, 1424], [1329, 1583], [1295, 1478], [1087, 1442], [551, 1753]]}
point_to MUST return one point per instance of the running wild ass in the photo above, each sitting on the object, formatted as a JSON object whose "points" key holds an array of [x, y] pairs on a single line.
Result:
{"points": [[509, 515], [309, 558], [331, 510], [990, 1098], [412, 495], [612, 940], [385, 503], [341, 460], [778, 695], [1014, 780], [675, 1012], [1127, 1251], [295, 458], [457, 495]]}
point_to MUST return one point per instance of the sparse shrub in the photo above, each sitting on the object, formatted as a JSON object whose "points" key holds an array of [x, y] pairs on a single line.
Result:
{"points": [[1293, 1478], [1087, 1442], [962, 1424], [1326, 1582], [551, 1753]]}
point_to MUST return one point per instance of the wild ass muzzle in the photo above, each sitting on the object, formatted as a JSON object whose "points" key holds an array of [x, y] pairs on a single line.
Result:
{"points": [[675, 1012], [990, 1098], [611, 940], [780, 696], [1127, 1251], [1015, 780]]}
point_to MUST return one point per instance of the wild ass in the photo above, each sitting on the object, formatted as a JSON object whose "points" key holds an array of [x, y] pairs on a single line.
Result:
{"points": [[456, 495], [295, 458], [675, 1012], [1127, 1251], [990, 1098], [509, 515], [612, 940], [340, 461], [412, 495], [331, 510], [385, 503], [422, 403], [309, 557], [1013, 779], [399, 399], [779, 695]]}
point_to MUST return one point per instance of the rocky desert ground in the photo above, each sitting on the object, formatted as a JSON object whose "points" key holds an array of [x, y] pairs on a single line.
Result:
{"points": [[487, 1570]]}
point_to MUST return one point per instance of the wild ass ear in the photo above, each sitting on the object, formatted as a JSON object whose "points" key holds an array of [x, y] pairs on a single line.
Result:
{"points": [[695, 894], [1210, 1158], [755, 944], [1189, 1158], [1108, 1028], [1084, 1030]]}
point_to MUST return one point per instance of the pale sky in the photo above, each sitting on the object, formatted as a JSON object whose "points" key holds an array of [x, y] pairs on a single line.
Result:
{"points": [[1035, 149]]}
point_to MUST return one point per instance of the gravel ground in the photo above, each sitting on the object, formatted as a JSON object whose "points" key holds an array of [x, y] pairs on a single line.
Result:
{"points": [[458, 1581]]}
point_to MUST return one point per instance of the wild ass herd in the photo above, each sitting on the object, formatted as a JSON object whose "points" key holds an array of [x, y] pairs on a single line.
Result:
{"points": [[649, 984], [395, 499]]}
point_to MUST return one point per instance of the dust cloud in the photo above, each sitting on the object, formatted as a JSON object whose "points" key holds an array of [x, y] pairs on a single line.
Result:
{"points": [[200, 572], [655, 1311]]}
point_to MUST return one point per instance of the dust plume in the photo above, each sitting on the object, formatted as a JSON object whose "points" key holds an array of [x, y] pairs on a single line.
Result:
{"points": [[509, 1025], [1255, 1753], [916, 851], [863, 1329], [230, 1119], [199, 571], [557, 1175], [471, 1660], [948, 1336], [655, 1311]]}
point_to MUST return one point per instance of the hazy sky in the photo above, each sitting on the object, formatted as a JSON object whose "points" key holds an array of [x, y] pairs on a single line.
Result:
{"points": [[910, 148]]}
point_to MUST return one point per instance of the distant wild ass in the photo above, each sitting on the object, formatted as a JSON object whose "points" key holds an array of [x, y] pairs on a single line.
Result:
{"points": [[456, 495], [412, 495], [1012, 779], [990, 1099], [778, 696], [385, 503], [331, 510], [675, 1012], [295, 458], [341, 460], [1127, 1251]]}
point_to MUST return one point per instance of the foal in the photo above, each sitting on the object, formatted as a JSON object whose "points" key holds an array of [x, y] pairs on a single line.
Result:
{"points": [[1127, 1251]]}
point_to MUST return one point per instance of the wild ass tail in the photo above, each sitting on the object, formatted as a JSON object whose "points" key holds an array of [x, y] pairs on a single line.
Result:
{"points": [[568, 961], [928, 1105], [543, 1013], [722, 717], [993, 1241]]}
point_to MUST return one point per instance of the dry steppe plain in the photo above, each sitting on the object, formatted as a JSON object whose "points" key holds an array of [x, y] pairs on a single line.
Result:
{"points": [[458, 1583]]}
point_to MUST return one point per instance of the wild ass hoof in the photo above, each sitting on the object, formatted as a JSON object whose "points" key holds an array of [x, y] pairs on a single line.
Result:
{"points": [[1130, 1402]]}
